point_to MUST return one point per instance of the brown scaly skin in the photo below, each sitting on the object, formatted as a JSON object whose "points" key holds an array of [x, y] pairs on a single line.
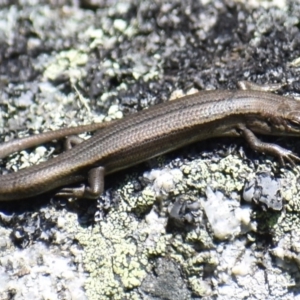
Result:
{"points": [[149, 133]]}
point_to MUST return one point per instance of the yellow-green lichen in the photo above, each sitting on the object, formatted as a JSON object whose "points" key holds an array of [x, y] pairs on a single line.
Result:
{"points": [[137, 202], [118, 252], [199, 286], [229, 174], [200, 236], [67, 62], [111, 257], [119, 248]]}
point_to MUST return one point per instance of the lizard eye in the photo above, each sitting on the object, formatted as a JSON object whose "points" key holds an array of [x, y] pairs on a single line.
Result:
{"points": [[293, 120], [293, 124]]}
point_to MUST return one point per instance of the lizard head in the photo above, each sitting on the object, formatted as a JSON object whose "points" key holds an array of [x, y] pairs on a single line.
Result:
{"points": [[292, 121], [285, 120]]}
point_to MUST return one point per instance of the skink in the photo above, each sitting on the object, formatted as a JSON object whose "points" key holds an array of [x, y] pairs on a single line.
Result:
{"points": [[155, 131]]}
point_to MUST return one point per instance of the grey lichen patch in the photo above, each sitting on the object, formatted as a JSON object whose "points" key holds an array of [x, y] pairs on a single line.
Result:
{"points": [[264, 189], [287, 253], [222, 215], [109, 33], [166, 282], [164, 180], [283, 223], [5, 241], [40, 271]]}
